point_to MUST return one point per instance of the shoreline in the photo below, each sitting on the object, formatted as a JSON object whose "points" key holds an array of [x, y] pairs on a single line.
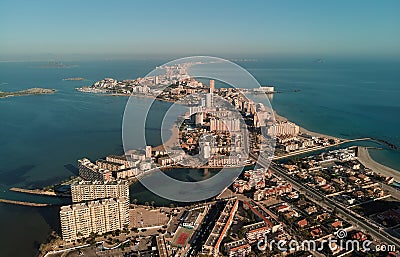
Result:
{"points": [[363, 153], [304, 130], [365, 158], [172, 140]]}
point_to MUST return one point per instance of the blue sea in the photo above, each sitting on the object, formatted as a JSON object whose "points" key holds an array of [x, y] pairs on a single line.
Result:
{"points": [[41, 137]]}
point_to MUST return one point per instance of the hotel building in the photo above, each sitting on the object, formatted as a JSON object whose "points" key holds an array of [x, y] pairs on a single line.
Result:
{"points": [[225, 124], [212, 85], [88, 190], [112, 166], [283, 129], [100, 216], [118, 159], [91, 172], [209, 100]]}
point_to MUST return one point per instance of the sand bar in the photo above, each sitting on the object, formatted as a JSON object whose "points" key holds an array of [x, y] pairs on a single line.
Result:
{"points": [[367, 161]]}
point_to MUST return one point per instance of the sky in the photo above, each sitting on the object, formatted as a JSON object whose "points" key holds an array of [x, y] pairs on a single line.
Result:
{"points": [[174, 27]]}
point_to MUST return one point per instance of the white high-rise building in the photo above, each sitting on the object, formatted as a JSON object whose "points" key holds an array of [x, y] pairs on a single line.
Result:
{"points": [[92, 172], [148, 151], [195, 109], [202, 102], [100, 216], [212, 85], [283, 129], [199, 119], [225, 124], [209, 100], [88, 191], [206, 150]]}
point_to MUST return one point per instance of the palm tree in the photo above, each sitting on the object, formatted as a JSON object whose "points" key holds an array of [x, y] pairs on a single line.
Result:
{"points": [[152, 204], [135, 201]]}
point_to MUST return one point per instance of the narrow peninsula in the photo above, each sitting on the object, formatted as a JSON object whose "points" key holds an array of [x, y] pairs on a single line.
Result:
{"points": [[30, 91]]}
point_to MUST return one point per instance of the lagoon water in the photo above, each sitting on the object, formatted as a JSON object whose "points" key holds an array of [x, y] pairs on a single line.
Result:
{"points": [[41, 137]]}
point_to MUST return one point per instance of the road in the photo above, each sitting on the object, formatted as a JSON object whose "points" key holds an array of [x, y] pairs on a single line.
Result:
{"points": [[200, 236], [349, 215]]}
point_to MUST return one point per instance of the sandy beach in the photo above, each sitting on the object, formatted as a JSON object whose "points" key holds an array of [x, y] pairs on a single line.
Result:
{"points": [[367, 161], [303, 130], [173, 139]]}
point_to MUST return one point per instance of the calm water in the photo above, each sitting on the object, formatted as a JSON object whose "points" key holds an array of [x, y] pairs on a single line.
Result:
{"points": [[344, 99], [41, 137]]}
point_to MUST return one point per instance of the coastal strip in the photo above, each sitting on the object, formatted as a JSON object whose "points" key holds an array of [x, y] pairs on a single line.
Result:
{"points": [[304, 130], [367, 161], [38, 192], [317, 148], [24, 203]]}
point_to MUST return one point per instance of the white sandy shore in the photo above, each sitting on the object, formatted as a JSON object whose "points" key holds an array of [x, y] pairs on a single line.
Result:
{"points": [[173, 139], [303, 130], [367, 161]]}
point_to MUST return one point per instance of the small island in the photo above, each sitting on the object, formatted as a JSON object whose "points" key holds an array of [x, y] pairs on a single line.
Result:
{"points": [[73, 79], [30, 91]]}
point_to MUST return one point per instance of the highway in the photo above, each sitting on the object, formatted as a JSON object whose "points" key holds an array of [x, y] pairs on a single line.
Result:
{"points": [[352, 217]]}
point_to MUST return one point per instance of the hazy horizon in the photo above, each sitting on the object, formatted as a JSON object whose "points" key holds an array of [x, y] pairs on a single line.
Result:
{"points": [[47, 30]]}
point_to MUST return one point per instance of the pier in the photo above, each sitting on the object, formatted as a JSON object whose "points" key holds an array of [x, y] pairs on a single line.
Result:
{"points": [[38, 192], [24, 203]]}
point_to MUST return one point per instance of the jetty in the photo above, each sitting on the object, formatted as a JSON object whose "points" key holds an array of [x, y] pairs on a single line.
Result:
{"points": [[38, 192], [24, 203]]}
